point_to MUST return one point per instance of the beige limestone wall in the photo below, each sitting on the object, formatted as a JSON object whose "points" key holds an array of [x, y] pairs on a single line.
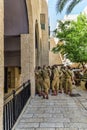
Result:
{"points": [[17, 77], [1, 62], [11, 77], [44, 40], [54, 58], [28, 63], [28, 51], [38, 7], [31, 44], [25, 57], [36, 26]]}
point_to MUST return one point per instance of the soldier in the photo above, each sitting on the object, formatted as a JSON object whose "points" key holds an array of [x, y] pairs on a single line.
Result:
{"points": [[49, 74], [85, 76], [55, 80], [49, 71], [38, 80], [46, 82], [60, 74], [62, 84], [68, 75]]}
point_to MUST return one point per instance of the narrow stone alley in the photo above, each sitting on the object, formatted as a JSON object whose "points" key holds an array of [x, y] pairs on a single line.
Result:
{"points": [[60, 112]]}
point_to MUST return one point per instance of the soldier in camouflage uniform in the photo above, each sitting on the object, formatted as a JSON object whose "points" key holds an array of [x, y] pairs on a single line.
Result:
{"points": [[62, 83], [85, 76], [55, 80], [68, 75], [38, 81], [46, 82]]}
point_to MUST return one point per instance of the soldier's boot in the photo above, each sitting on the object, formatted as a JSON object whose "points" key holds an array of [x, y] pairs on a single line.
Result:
{"points": [[70, 93], [65, 91], [47, 96], [43, 94], [54, 93], [39, 94], [60, 91]]}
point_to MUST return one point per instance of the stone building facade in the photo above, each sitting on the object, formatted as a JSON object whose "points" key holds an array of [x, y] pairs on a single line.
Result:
{"points": [[33, 39], [31, 49], [54, 58], [37, 40]]}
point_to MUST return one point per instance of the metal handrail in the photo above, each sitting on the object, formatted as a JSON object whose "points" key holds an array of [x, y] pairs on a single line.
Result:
{"points": [[14, 103], [10, 94]]}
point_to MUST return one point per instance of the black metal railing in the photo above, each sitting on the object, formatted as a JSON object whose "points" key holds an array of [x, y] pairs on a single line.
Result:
{"points": [[14, 104]]}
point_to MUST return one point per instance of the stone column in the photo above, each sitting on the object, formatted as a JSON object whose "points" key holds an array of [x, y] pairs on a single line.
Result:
{"points": [[32, 63], [28, 60], [25, 58], [1, 62], [44, 40]]}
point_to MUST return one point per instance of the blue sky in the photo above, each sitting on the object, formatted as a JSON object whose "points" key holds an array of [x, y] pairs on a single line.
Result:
{"points": [[53, 16]]}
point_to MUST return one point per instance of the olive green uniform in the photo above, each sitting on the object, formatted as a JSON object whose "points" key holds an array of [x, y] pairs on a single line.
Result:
{"points": [[55, 81], [62, 80], [46, 81], [38, 81], [68, 76]]}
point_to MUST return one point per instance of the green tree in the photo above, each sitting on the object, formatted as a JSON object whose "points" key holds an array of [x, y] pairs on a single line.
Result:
{"points": [[73, 34], [62, 3]]}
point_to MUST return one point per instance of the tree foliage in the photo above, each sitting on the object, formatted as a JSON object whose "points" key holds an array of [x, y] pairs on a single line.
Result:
{"points": [[73, 34]]}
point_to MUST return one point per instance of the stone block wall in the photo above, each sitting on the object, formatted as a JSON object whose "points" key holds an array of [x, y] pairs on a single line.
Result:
{"points": [[35, 8], [27, 61], [24, 57], [54, 58], [44, 33]]}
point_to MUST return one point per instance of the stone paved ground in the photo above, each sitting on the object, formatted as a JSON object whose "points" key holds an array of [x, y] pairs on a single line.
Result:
{"points": [[60, 112]]}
